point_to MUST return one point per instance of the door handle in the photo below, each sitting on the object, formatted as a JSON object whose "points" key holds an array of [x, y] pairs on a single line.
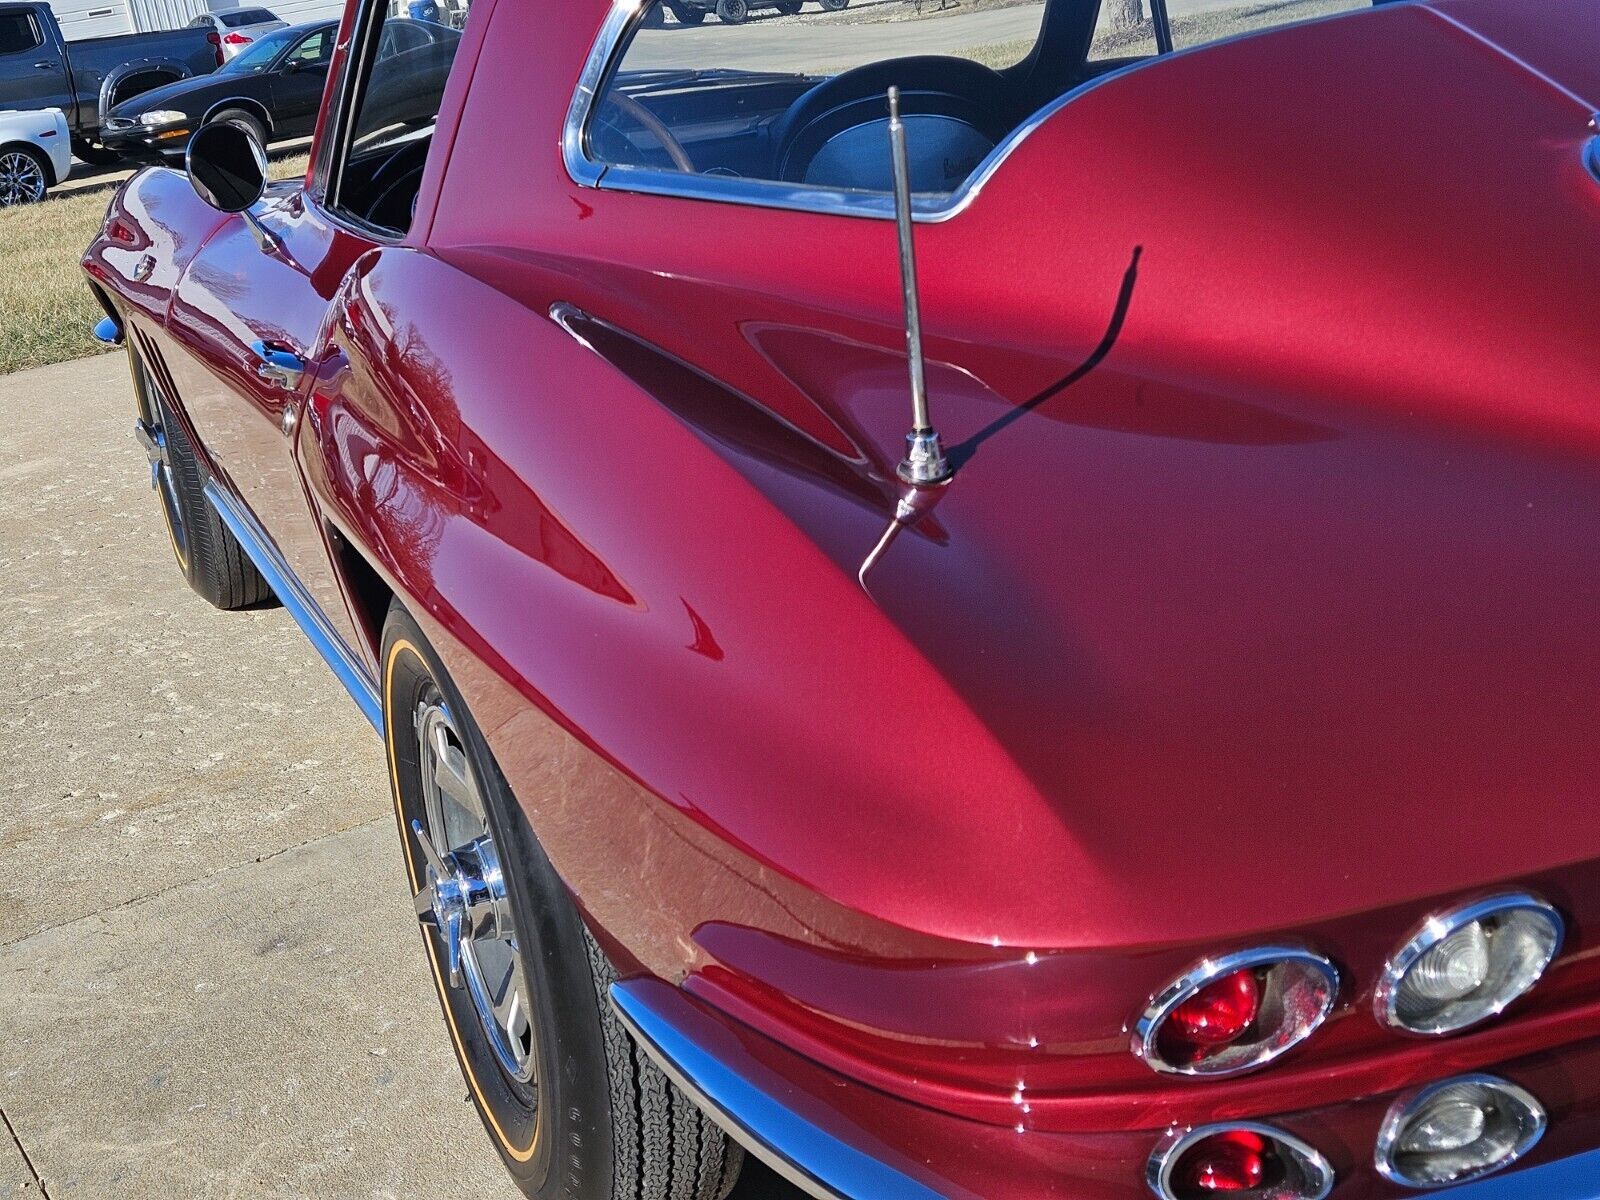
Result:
{"points": [[279, 366], [44, 66]]}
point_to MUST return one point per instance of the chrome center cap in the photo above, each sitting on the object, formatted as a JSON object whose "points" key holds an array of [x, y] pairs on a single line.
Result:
{"points": [[464, 897]]}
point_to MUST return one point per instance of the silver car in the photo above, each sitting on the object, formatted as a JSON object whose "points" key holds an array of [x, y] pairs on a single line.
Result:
{"points": [[237, 28]]}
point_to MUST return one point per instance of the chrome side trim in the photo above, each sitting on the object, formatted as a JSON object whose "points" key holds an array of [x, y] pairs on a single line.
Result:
{"points": [[1209, 971], [362, 688], [809, 1157], [1439, 927], [1308, 1159], [762, 193]]}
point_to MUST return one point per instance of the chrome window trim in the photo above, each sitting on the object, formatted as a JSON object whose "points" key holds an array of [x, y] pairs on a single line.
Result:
{"points": [[1207, 972], [1164, 1161], [765, 193], [1441, 926], [1405, 1105]]}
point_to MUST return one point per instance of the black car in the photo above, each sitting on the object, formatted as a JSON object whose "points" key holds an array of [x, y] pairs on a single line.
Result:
{"points": [[274, 88]]}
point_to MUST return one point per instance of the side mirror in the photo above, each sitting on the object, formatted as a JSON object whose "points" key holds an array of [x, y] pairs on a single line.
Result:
{"points": [[292, 67], [228, 170], [227, 166]]}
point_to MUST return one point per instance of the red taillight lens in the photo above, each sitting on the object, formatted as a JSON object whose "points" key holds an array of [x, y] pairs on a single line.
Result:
{"points": [[1216, 1015], [1236, 1013], [215, 39], [238, 39], [1235, 1161]]}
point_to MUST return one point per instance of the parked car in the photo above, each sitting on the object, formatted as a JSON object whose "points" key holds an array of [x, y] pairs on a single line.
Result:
{"points": [[1165, 770], [35, 154], [733, 12], [274, 88], [38, 69], [239, 27]]}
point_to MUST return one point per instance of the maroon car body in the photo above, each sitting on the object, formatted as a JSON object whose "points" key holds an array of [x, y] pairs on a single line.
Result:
{"points": [[1261, 610]]}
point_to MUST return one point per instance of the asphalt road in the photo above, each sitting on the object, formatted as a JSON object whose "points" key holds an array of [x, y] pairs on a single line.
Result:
{"points": [[210, 979]]}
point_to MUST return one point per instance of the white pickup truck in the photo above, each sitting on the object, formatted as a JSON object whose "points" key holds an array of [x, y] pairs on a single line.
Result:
{"points": [[35, 154]]}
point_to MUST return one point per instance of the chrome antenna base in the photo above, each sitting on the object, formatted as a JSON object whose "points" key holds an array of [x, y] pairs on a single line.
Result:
{"points": [[925, 464]]}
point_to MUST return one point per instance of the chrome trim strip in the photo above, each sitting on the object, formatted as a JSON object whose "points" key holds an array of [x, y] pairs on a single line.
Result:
{"points": [[1209, 971], [809, 1157], [764, 193], [1406, 1105], [1435, 930], [1165, 1159], [362, 688]]}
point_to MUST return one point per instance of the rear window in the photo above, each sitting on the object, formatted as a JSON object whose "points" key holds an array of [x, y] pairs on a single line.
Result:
{"points": [[246, 16], [18, 33], [793, 93]]}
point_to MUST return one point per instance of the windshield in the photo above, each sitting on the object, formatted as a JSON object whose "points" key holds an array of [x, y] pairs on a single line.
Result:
{"points": [[261, 53]]}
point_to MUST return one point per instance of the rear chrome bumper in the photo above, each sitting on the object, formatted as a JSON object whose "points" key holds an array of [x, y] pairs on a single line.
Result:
{"points": [[818, 1149]]}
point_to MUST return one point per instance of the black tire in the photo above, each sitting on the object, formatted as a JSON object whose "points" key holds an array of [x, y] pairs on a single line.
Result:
{"points": [[607, 1125], [95, 156], [655, 17], [835, 5], [688, 15], [244, 120], [733, 12], [209, 556], [790, 8]]}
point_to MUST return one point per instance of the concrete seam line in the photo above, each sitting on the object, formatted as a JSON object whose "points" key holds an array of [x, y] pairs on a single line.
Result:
{"points": [[135, 901], [27, 1161]]}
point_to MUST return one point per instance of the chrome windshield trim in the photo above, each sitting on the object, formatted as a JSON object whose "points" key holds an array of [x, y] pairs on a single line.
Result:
{"points": [[812, 1159], [362, 688], [761, 193]]}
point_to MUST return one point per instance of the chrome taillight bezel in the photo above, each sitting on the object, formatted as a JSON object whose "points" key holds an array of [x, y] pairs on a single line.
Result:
{"points": [[1168, 1154], [1440, 927], [1147, 1030], [1408, 1104]]}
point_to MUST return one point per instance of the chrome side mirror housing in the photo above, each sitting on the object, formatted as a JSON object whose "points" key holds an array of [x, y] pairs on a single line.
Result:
{"points": [[228, 170]]}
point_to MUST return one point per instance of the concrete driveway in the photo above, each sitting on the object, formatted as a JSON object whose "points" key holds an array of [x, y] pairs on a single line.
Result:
{"points": [[209, 974]]}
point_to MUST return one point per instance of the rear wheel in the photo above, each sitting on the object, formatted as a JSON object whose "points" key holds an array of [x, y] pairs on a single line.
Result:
{"points": [[574, 1107], [209, 556], [244, 120], [24, 175], [789, 8], [687, 14], [835, 5], [733, 12]]}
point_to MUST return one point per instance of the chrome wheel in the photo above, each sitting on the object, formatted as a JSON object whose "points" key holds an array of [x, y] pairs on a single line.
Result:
{"points": [[22, 179], [151, 435], [464, 899]]}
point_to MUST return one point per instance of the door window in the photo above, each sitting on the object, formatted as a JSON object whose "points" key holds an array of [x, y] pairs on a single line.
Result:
{"points": [[18, 33], [315, 51], [390, 99]]}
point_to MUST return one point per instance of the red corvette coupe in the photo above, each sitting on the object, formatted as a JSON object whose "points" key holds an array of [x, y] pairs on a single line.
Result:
{"points": [[1169, 768]]}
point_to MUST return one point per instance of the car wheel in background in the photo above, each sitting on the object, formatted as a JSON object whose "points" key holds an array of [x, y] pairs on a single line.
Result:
{"points": [[687, 15], [835, 5], [574, 1107], [24, 175], [208, 555], [789, 8], [732, 12], [655, 17], [244, 120]]}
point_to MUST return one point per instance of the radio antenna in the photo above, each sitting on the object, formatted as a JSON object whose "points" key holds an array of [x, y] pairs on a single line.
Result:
{"points": [[925, 464]]}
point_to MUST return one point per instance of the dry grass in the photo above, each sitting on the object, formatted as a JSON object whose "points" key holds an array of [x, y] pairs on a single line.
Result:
{"points": [[46, 310]]}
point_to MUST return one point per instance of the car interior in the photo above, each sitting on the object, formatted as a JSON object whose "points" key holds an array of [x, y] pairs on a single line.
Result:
{"points": [[809, 108]]}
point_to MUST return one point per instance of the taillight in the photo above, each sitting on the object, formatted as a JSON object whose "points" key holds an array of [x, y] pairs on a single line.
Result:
{"points": [[237, 39], [1236, 1013], [1459, 1130], [1256, 1161], [1466, 966], [215, 39]]}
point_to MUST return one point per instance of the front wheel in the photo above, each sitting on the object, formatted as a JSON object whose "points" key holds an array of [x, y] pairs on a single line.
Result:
{"points": [[244, 120], [573, 1106], [24, 176], [732, 12], [687, 14], [95, 156], [835, 5], [789, 8]]}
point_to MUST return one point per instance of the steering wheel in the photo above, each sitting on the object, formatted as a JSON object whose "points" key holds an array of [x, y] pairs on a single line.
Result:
{"points": [[610, 132], [836, 135], [395, 185]]}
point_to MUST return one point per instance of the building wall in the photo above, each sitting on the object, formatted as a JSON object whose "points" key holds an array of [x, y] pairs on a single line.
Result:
{"points": [[82, 19]]}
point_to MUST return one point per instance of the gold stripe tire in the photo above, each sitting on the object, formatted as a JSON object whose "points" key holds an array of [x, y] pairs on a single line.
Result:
{"points": [[598, 1121]]}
